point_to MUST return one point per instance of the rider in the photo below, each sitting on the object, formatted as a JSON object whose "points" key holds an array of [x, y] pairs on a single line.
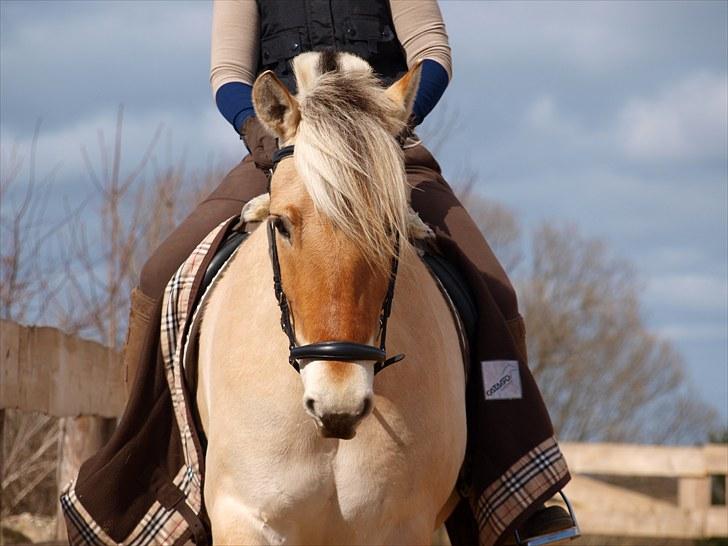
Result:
{"points": [[519, 461]]}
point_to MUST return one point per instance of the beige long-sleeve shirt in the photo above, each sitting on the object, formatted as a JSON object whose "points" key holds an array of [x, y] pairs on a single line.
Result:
{"points": [[235, 37]]}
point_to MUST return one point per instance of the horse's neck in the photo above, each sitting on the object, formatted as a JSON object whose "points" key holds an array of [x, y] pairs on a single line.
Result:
{"points": [[240, 327]]}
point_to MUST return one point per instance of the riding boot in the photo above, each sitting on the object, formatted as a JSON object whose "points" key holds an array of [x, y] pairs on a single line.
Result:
{"points": [[140, 317]]}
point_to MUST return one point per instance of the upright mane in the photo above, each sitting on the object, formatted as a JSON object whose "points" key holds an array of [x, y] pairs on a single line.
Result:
{"points": [[346, 153]]}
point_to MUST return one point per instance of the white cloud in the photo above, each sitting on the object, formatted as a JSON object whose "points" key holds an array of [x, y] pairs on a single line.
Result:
{"points": [[589, 35], [556, 126], [675, 257], [195, 139], [100, 54], [694, 332], [691, 291], [591, 38], [686, 121], [542, 115]]}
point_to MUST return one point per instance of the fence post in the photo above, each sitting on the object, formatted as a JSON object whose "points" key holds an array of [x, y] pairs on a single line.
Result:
{"points": [[694, 493]]}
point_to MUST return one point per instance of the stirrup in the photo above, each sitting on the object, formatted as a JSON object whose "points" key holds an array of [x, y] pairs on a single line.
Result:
{"points": [[556, 536]]}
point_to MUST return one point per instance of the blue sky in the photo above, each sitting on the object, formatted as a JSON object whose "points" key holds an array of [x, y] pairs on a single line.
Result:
{"points": [[611, 115]]}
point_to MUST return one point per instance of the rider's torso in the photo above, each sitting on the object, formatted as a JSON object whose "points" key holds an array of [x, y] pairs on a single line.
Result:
{"points": [[288, 28]]}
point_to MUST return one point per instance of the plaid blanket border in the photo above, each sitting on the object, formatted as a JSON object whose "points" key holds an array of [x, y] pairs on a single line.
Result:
{"points": [[518, 488], [160, 525]]}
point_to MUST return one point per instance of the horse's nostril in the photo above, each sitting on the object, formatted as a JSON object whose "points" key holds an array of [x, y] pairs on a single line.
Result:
{"points": [[310, 405], [339, 425]]}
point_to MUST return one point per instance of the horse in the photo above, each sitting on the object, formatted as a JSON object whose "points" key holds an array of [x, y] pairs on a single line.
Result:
{"points": [[331, 455]]}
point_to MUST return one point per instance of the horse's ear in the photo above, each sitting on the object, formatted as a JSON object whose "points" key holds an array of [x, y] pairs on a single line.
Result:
{"points": [[404, 90], [275, 106]]}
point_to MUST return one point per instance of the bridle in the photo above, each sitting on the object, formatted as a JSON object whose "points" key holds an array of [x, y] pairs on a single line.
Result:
{"points": [[346, 351]]}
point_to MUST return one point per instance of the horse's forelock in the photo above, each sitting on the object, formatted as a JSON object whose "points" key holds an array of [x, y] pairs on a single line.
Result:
{"points": [[345, 152]]}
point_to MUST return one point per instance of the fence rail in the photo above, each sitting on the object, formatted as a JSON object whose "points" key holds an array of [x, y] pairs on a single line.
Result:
{"points": [[646, 460], [606, 509], [45, 370]]}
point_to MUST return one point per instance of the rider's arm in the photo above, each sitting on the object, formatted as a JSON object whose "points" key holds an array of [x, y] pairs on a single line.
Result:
{"points": [[421, 31], [234, 54], [234, 58]]}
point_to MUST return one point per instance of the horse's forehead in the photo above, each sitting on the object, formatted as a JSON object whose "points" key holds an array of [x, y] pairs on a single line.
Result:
{"points": [[287, 188]]}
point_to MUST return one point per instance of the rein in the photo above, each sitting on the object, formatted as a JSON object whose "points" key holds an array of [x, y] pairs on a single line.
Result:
{"points": [[346, 351]]}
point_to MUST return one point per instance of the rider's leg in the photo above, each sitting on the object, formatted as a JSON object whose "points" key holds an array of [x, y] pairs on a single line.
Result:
{"points": [[518, 431], [459, 236], [242, 183]]}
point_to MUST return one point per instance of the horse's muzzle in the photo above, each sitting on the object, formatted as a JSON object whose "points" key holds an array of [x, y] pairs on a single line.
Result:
{"points": [[338, 425]]}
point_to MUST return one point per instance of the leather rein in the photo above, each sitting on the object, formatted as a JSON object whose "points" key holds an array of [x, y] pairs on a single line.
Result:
{"points": [[346, 351]]}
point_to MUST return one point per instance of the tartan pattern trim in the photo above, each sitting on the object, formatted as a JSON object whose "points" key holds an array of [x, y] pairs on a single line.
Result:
{"points": [[160, 525], [87, 528], [518, 488], [178, 297]]}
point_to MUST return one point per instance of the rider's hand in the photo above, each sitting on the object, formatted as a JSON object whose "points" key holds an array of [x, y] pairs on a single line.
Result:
{"points": [[260, 143]]}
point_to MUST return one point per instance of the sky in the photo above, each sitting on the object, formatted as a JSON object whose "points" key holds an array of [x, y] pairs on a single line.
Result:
{"points": [[610, 115]]}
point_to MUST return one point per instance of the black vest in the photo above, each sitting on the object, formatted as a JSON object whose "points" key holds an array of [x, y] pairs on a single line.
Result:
{"points": [[362, 27]]}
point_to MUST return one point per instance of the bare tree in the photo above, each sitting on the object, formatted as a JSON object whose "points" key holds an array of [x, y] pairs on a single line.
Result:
{"points": [[499, 226], [101, 247], [29, 463], [131, 213], [28, 440], [76, 273], [604, 375], [25, 280]]}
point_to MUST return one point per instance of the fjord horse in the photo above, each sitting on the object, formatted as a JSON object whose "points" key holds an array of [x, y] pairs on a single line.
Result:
{"points": [[333, 455]]}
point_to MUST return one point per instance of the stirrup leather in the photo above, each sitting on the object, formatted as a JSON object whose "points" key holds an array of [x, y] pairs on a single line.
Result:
{"points": [[556, 536]]}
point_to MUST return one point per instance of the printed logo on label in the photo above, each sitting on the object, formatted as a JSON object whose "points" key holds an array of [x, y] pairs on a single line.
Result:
{"points": [[501, 379]]}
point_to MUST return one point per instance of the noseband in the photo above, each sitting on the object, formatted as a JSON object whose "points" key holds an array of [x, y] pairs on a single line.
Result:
{"points": [[346, 351]]}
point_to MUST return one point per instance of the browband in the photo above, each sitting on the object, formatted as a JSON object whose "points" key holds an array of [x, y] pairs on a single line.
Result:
{"points": [[281, 153]]}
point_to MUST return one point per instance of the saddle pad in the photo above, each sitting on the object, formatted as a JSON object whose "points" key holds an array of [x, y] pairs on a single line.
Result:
{"points": [[458, 295]]}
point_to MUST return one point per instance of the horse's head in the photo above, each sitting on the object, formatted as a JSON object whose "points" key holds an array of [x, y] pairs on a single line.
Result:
{"points": [[338, 205]]}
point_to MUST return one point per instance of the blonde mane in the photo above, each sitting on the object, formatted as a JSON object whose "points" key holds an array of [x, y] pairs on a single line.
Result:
{"points": [[346, 154]]}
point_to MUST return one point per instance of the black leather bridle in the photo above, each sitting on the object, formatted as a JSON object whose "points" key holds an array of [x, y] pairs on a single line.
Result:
{"points": [[347, 351]]}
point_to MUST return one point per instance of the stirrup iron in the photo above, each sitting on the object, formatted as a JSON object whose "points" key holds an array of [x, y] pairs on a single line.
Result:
{"points": [[556, 536]]}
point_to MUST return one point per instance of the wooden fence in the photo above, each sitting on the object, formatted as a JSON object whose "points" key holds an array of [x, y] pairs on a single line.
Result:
{"points": [[606, 509], [48, 371], [44, 370]]}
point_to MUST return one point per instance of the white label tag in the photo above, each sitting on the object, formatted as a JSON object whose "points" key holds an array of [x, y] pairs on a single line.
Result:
{"points": [[501, 379]]}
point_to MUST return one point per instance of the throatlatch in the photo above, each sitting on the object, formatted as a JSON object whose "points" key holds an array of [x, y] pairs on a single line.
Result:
{"points": [[347, 351]]}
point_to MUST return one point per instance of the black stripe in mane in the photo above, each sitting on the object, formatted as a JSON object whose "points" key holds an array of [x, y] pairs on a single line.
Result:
{"points": [[328, 61]]}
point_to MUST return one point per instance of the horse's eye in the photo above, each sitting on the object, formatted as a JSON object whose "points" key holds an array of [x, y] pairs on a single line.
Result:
{"points": [[280, 226]]}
